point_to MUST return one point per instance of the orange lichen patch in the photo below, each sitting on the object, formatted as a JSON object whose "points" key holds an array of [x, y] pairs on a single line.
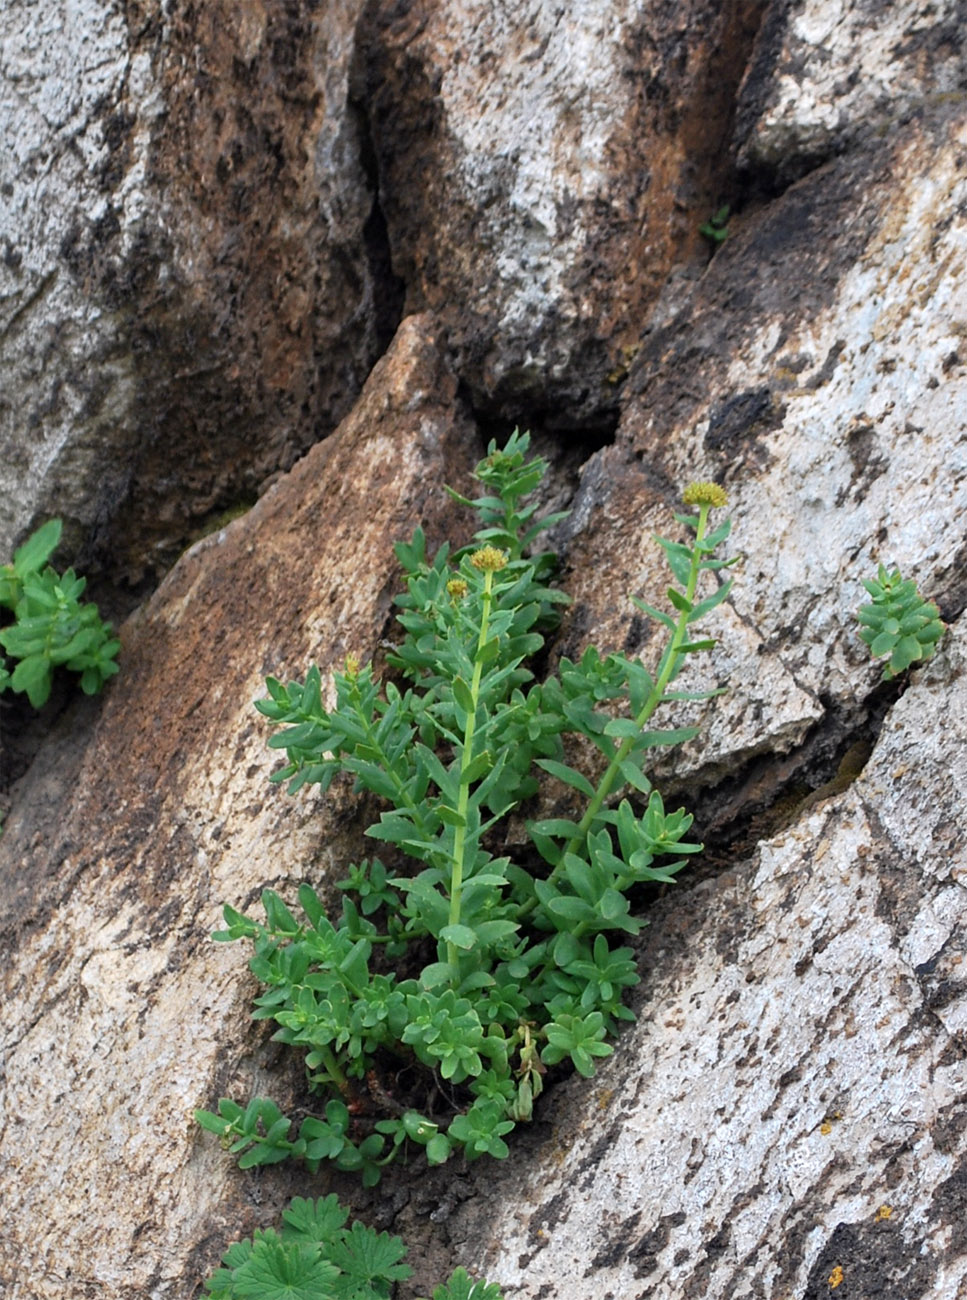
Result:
{"points": [[835, 1278], [883, 1212]]}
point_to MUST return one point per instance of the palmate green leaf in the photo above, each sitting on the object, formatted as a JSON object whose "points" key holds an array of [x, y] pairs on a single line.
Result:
{"points": [[316, 1221], [280, 1270], [462, 1286], [369, 1257]]}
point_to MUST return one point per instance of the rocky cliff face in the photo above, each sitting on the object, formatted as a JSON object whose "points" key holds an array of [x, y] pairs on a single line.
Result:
{"points": [[210, 238], [191, 243]]}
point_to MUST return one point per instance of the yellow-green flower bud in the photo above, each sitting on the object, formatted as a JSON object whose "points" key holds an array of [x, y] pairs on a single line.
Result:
{"points": [[488, 558], [456, 588], [352, 666], [704, 494]]}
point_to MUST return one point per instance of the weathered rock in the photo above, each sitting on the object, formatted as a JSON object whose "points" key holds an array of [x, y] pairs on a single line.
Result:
{"points": [[823, 75], [119, 1016], [818, 370], [792, 1097], [189, 254], [566, 159]]}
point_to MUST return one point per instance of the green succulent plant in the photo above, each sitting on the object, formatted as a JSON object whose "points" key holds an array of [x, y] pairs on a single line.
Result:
{"points": [[458, 974], [898, 625], [51, 626]]}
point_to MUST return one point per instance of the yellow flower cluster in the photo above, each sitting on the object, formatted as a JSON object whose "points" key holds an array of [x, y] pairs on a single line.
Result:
{"points": [[704, 494], [488, 558], [456, 589]]}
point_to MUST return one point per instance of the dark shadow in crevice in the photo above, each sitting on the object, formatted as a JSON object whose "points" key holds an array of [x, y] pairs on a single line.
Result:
{"points": [[566, 453], [773, 791], [389, 289]]}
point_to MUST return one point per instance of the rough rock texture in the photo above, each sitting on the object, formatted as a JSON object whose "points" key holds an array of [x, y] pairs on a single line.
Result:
{"points": [[187, 262], [825, 73], [116, 1006], [819, 371], [793, 1098], [567, 156]]}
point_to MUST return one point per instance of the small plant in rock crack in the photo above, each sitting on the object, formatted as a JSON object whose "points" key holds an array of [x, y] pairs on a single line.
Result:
{"points": [[716, 229], [314, 1256], [51, 625], [898, 622], [431, 1009]]}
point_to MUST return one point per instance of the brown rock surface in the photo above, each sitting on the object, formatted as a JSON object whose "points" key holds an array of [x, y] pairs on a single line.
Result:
{"points": [[798, 1064], [191, 249], [566, 158], [824, 74], [119, 1015]]}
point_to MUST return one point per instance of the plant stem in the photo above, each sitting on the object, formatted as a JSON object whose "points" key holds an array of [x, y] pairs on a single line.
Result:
{"points": [[466, 758], [333, 1069], [666, 669], [403, 797]]}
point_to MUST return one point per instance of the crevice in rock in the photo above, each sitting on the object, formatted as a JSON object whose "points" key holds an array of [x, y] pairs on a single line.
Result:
{"points": [[388, 288], [546, 438], [772, 791], [708, 127]]}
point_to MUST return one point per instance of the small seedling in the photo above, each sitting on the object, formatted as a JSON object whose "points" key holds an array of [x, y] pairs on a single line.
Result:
{"points": [[899, 623], [52, 626], [716, 229]]}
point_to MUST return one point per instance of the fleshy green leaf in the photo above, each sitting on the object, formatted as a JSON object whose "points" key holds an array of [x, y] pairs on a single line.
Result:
{"points": [[38, 548]]}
